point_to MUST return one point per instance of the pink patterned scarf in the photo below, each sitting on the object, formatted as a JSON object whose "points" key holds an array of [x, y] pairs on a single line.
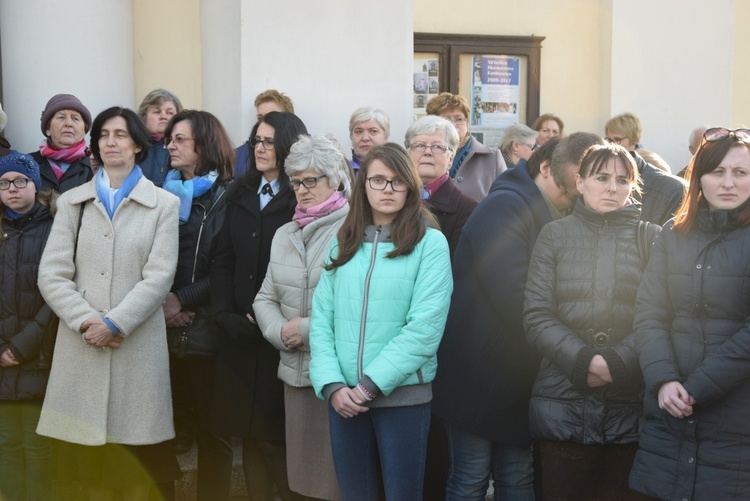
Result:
{"points": [[65, 155], [307, 216]]}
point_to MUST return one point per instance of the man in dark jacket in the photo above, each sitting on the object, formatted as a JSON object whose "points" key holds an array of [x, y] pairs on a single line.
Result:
{"points": [[662, 192], [486, 368]]}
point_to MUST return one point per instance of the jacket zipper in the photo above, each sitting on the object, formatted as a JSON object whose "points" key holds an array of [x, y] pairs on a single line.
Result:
{"points": [[303, 310], [361, 350], [200, 232]]}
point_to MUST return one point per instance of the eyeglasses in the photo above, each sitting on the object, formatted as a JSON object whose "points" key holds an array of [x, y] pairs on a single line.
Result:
{"points": [[308, 182], [380, 183], [436, 149], [719, 133], [178, 140], [267, 143], [19, 182], [615, 140], [456, 120], [531, 146]]}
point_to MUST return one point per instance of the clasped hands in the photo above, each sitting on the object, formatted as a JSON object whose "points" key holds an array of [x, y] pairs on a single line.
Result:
{"points": [[174, 315], [98, 335], [674, 398]]}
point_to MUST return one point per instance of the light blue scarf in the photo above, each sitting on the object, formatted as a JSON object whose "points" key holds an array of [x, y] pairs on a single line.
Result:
{"points": [[187, 190], [103, 189]]}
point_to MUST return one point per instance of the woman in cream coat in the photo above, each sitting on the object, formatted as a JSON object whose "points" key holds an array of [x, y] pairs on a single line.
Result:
{"points": [[108, 265], [318, 173]]}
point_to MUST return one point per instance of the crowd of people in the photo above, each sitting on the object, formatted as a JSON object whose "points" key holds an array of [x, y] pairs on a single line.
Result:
{"points": [[560, 316]]}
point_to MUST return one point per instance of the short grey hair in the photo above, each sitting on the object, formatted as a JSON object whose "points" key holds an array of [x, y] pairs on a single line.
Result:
{"points": [[519, 133], [370, 113], [429, 125], [320, 154], [156, 98]]}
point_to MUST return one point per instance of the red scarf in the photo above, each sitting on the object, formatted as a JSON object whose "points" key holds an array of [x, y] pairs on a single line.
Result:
{"points": [[431, 188], [66, 155]]}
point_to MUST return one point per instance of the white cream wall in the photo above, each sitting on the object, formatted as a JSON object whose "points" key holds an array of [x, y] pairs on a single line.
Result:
{"points": [[741, 83], [672, 65], [80, 47], [330, 57]]}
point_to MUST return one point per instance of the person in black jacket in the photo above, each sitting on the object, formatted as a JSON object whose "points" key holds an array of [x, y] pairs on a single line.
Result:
{"points": [[201, 158], [27, 330], [579, 304], [248, 397], [693, 330], [63, 157]]}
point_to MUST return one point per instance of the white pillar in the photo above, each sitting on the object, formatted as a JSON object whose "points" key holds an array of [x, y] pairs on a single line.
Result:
{"points": [[330, 57], [80, 47]]}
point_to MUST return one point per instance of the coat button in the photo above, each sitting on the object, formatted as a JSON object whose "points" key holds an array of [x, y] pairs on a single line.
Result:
{"points": [[698, 267], [106, 274], [255, 234], [251, 276], [460, 179], [691, 460], [708, 267]]}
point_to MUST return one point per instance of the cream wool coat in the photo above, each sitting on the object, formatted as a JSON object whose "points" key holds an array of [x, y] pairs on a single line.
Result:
{"points": [[297, 259], [123, 270]]}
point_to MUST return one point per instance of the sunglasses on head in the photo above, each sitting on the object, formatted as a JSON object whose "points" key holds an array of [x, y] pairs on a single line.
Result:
{"points": [[719, 133]]}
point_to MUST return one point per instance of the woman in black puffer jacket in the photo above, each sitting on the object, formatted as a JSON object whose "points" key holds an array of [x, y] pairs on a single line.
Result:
{"points": [[580, 300], [27, 330], [693, 330]]}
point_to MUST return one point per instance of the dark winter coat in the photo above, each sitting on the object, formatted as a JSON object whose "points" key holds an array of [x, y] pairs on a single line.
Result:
{"points": [[452, 208], [580, 301], [662, 192], [27, 324], [156, 163], [248, 397], [693, 326], [199, 237], [485, 366], [77, 174]]}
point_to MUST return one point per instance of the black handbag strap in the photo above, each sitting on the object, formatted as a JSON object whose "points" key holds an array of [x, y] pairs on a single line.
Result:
{"points": [[78, 230], [644, 237]]}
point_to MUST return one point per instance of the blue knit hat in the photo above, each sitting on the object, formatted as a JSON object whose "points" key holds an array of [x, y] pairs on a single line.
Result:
{"points": [[18, 162]]}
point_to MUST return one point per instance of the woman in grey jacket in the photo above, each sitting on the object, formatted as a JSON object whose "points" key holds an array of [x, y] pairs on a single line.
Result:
{"points": [[318, 174], [580, 300]]}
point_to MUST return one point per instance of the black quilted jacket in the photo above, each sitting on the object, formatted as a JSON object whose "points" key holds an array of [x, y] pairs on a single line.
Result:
{"points": [[580, 301]]}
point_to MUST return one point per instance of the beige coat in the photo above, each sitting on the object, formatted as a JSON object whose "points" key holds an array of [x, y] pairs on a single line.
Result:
{"points": [[297, 258], [123, 270], [479, 170]]}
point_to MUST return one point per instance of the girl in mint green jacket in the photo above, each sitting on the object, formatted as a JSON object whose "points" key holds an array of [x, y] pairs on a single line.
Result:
{"points": [[378, 316]]}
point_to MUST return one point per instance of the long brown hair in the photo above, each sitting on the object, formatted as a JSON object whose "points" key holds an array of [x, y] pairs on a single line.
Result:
{"points": [[410, 224], [706, 159]]}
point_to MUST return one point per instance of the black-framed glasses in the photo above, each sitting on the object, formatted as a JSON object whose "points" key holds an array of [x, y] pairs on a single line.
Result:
{"points": [[615, 140], [308, 182], [178, 140], [719, 133], [267, 143], [380, 183], [436, 149], [19, 182]]}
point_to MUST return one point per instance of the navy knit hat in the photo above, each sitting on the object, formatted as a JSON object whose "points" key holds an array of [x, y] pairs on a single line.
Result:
{"points": [[18, 162], [64, 102]]}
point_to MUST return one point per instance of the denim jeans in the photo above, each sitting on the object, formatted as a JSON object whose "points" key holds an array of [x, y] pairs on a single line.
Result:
{"points": [[398, 434], [25, 457], [473, 458]]}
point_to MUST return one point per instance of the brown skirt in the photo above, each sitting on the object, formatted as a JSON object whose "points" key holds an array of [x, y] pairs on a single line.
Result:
{"points": [[117, 466], [309, 459], [578, 472]]}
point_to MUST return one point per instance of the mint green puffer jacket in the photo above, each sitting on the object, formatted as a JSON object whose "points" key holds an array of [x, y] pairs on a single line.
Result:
{"points": [[380, 317]]}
